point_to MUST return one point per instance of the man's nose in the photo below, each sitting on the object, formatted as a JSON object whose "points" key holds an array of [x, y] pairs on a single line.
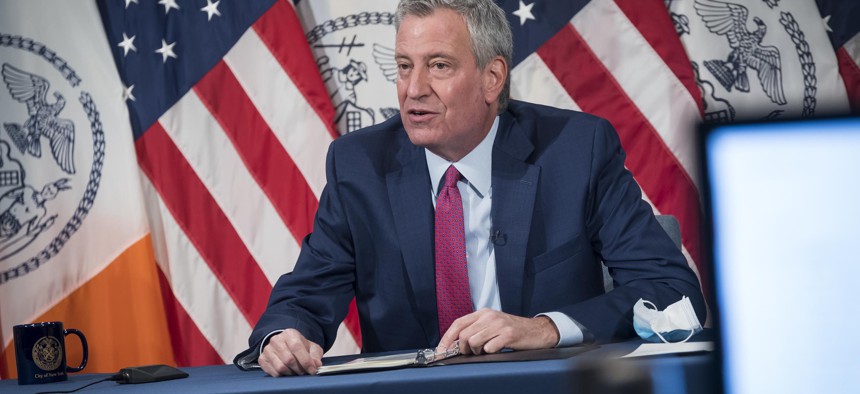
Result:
{"points": [[418, 83]]}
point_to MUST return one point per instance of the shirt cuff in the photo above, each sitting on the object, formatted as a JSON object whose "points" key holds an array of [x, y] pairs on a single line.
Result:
{"points": [[266, 341], [569, 331]]}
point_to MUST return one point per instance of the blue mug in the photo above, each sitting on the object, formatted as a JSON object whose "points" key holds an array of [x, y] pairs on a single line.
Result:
{"points": [[40, 352]]}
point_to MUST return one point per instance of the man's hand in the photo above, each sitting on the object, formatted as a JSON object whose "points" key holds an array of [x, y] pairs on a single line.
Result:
{"points": [[489, 331], [290, 353]]}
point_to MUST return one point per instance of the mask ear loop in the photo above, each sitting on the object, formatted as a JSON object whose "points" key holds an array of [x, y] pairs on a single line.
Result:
{"points": [[658, 334], [685, 339]]}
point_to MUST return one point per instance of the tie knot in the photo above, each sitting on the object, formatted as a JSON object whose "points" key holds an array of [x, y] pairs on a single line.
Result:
{"points": [[451, 177]]}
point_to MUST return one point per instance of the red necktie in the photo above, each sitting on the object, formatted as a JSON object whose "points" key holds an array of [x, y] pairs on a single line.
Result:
{"points": [[453, 299]]}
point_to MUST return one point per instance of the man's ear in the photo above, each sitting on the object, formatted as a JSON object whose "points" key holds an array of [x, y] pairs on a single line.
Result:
{"points": [[494, 77]]}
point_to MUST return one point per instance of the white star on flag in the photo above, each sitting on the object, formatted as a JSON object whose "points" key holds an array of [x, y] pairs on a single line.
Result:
{"points": [[127, 2], [166, 51], [525, 12], [211, 9], [127, 44], [168, 4], [127, 93]]}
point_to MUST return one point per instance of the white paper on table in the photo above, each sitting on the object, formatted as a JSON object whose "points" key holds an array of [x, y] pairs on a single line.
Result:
{"points": [[653, 349]]}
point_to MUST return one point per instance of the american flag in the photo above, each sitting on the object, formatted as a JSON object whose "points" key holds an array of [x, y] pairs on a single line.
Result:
{"points": [[232, 121], [842, 23]]}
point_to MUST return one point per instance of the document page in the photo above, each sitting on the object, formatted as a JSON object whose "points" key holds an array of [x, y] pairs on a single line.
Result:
{"points": [[420, 358], [654, 349]]}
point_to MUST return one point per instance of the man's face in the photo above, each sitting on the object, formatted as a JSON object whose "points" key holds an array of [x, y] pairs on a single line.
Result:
{"points": [[446, 102]]}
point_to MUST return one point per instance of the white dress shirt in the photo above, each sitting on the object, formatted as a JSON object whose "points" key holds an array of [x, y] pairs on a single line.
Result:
{"points": [[477, 194]]}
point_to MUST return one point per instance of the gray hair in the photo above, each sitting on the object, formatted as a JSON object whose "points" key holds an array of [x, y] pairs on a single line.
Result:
{"points": [[489, 32]]}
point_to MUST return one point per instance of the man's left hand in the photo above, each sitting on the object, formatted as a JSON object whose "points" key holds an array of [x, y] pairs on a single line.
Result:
{"points": [[490, 331]]}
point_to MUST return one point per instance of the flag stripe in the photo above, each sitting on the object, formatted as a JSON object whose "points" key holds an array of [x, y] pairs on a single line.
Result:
{"points": [[651, 19], [202, 221], [532, 81], [189, 344], [343, 343], [597, 92], [850, 72], [276, 97], [222, 171], [648, 83], [196, 289], [282, 33], [7, 362], [352, 322], [852, 49], [270, 165]]}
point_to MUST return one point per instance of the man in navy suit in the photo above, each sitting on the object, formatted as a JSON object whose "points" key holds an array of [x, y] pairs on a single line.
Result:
{"points": [[545, 198]]}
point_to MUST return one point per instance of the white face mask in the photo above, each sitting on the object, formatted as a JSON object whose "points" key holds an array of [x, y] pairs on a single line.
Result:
{"points": [[676, 323]]}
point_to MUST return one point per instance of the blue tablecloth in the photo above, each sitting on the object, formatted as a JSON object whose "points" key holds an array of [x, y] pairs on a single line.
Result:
{"points": [[692, 373]]}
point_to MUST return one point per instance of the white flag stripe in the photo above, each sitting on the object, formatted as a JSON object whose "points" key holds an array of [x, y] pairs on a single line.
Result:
{"points": [[344, 343], [214, 159], [648, 82], [852, 46], [533, 81], [194, 284], [154, 214], [278, 100]]}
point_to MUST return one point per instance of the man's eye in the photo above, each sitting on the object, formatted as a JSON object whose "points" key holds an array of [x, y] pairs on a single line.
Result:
{"points": [[403, 67], [440, 66]]}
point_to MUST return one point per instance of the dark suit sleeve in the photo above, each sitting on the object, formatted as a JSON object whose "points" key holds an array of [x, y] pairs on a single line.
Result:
{"points": [[314, 298], [643, 261]]}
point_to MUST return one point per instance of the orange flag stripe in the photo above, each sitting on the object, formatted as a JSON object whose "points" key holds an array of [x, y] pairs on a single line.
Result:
{"points": [[121, 313]]}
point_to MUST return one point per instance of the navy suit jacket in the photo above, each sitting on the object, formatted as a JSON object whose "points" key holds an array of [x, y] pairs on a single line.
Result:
{"points": [[562, 203]]}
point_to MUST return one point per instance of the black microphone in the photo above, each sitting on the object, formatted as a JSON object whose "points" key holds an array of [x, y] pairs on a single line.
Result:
{"points": [[497, 238]]}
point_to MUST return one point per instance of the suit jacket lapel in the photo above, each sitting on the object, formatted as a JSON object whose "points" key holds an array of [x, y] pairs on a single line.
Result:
{"points": [[412, 208], [514, 187]]}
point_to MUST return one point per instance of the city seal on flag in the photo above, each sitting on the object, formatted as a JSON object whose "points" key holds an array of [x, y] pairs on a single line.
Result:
{"points": [[747, 69], [355, 57], [42, 150], [747, 50]]}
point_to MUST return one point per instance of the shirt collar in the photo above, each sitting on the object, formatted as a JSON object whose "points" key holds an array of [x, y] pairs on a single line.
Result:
{"points": [[476, 166]]}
